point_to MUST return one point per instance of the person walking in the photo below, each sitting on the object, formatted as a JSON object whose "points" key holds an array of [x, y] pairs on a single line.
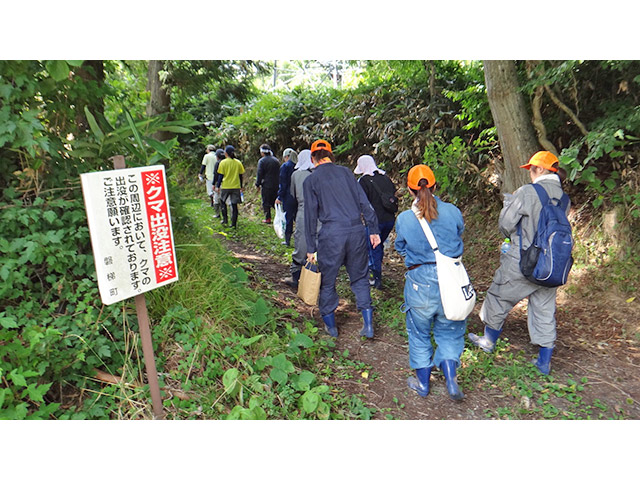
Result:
{"points": [[216, 190], [301, 171], [332, 195], [422, 305], [230, 173], [206, 168], [510, 286], [267, 179], [377, 185], [289, 204]]}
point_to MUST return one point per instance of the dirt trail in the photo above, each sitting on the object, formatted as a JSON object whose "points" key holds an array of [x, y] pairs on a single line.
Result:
{"points": [[590, 344]]}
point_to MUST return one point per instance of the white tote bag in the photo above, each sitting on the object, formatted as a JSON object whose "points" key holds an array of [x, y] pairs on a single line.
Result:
{"points": [[456, 292], [279, 221]]}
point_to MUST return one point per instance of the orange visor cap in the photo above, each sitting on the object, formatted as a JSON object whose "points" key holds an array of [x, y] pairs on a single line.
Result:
{"points": [[419, 172], [542, 159], [320, 145]]}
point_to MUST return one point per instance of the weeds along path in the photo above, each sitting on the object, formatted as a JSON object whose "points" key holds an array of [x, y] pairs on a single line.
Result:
{"points": [[596, 371]]}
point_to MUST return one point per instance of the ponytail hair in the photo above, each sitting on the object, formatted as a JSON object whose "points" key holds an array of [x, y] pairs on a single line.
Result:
{"points": [[426, 202]]}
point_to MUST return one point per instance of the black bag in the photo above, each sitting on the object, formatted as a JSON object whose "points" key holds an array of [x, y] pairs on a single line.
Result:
{"points": [[388, 197]]}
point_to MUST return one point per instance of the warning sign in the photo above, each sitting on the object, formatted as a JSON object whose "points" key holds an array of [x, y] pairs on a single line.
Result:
{"points": [[130, 226]]}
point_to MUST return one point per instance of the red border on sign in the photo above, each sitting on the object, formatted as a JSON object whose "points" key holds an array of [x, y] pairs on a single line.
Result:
{"points": [[155, 197]]}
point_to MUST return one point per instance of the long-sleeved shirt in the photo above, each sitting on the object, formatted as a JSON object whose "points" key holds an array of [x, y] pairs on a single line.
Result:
{"points": [[524, 208], [268, 173], [333, 196], [447, 228], [286, 170]]}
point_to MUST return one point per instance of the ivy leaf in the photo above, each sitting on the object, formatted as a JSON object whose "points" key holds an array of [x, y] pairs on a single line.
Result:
{"points": [[104, 351], [301, 340], [281, 362], [17, 379], [75, 63], [8, 322], [278, 375], [50, 216], [58, 69], [310, 401]]}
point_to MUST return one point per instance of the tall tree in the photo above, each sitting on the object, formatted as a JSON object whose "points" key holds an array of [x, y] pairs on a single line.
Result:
{"points": [[160, 100], [92, 73], [511, 118]]}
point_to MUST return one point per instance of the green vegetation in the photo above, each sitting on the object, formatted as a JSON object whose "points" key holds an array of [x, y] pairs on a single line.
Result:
{"points": [[224, 348]]}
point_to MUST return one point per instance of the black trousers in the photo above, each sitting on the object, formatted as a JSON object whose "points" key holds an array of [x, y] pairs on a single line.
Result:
{"points": [[269, 196]]}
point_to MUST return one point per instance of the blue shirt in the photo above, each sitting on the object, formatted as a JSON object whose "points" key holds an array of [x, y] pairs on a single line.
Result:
{"points": [[284, 192], [412, 243], [333, 196]]}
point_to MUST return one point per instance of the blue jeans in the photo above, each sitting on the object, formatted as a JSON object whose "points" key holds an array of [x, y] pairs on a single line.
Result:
{"points": [[376, 254], [425, 316]]}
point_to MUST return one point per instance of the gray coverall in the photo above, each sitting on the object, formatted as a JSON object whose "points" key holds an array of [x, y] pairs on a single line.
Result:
{"points": [[299, 255], [509, 285]]}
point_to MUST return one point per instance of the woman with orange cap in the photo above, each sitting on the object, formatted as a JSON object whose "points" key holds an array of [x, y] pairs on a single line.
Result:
{"points": [[422, 305], [510, 286]]}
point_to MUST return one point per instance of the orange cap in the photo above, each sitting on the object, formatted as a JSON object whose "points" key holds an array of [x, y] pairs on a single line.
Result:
{"points": [[320, 145], [542, 159], [419, 172]]}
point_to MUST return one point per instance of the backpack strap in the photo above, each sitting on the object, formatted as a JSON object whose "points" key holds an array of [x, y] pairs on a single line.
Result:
{"points": [[426, 229]]}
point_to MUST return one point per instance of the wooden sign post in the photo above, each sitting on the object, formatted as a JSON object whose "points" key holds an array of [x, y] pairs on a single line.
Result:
{"points": [[132, 241], [145, 335]]}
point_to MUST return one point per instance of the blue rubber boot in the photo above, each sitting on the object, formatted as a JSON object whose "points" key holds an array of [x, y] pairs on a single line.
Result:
{"points": [[330, 324], [448, 368], [367, 327], [420, 383], [488, 341], [543, 362]]}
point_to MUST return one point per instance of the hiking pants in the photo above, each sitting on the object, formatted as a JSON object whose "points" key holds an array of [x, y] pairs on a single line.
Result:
{"points": [[290, 207], [269, 196], [508, 288], [340, 245], [378, 253], [425, 316]]}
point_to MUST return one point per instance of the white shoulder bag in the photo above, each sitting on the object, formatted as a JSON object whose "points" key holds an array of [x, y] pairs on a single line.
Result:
{"points": [[456, 292]]}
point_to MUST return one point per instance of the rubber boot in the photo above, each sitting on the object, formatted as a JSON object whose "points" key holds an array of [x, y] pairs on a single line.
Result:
{"points": [[420, 383], [330, 324], [543, 362], [488, 341], [448, 368], [377, 280], [367, 326], [293, 280]]}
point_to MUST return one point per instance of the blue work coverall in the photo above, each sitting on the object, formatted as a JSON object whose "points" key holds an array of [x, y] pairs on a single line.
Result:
{"points": [[333, 196]]}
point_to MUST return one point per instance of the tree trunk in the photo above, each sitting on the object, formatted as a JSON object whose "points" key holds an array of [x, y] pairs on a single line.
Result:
{"points": [[515, 131], [90, 71], [160, 100]]}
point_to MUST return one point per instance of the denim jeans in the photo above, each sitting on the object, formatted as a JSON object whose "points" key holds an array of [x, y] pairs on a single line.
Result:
{"points": [[425, 316], [376, 254]]}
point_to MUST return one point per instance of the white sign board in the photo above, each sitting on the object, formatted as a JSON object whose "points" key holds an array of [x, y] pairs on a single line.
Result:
{"points": [[130, 226]]}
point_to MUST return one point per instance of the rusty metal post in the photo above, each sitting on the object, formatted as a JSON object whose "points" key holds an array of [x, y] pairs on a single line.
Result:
{"points": [[145, 335]]}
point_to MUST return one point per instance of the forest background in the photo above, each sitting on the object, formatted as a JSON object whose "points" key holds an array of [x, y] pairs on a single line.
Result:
{"points": [[49, 137]]}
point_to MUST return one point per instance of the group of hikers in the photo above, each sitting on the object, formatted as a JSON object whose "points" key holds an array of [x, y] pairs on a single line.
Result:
{"points": [[336, 219]]}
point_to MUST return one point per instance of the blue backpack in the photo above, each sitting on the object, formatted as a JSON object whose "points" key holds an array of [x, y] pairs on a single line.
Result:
{"points": [[548, 260]]}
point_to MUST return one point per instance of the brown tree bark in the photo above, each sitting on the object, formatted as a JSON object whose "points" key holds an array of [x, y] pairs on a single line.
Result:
{"points": [[91, 70], [515, 131], [160, 101]]}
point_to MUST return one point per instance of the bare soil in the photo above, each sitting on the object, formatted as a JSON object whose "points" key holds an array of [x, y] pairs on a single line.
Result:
{"points": [[598, 339]]}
